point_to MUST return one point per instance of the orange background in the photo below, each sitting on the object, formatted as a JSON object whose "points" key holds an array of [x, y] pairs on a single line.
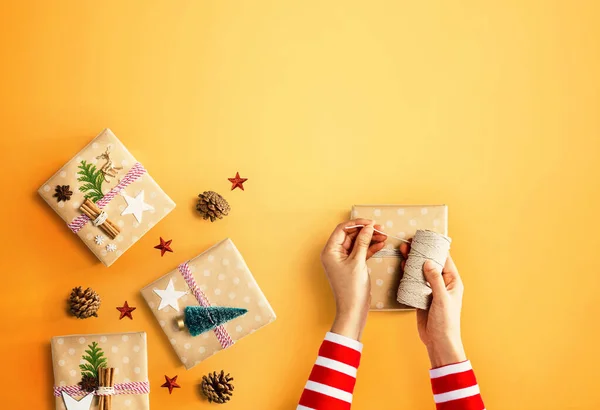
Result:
{"points": [[491, 107]]}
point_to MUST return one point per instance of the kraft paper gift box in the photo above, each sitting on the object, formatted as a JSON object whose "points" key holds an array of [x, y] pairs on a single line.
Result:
{"points": [[402, 221], [216, 277], [111, 178], [125, 352]]}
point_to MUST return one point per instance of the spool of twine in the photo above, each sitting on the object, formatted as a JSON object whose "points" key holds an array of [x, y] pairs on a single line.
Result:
{"points": [[426, 245]]}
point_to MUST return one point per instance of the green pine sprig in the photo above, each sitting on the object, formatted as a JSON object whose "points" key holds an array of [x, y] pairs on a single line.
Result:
{"points": [[95, 359], [93, 179]]}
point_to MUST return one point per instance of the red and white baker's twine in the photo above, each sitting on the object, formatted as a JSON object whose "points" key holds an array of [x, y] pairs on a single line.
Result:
{"points": [[136, 171], [119, 388], [220, 331]]}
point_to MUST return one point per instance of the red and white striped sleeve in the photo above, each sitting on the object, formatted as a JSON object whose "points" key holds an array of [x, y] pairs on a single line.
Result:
{"points": [[331, 382], [455, 387]]}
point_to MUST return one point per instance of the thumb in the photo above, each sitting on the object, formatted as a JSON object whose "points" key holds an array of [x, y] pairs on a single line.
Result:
{"points": [[435, 279], [362, 242]]}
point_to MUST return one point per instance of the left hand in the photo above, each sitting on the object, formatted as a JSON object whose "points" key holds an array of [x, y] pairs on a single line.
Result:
{"points": [[345, 261]]}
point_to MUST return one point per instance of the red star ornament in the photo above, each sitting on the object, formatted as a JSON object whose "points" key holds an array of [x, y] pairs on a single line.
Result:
{"points": [[164, 246], [237, 181], [171, 383], [126, 311]]}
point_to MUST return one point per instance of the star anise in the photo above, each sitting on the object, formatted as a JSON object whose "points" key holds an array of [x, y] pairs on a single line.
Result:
{"points": [[88, 383], [62, 193]]}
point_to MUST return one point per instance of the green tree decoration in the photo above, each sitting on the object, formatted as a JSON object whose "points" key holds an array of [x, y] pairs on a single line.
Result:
{"points": [[200, 319], [95, 359], [93, 179]]}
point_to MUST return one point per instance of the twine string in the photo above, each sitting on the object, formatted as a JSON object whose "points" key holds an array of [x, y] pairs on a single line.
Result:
{"points": [[378, 231], [105, 391], [426, 245], [119, 388], [100, 219]]}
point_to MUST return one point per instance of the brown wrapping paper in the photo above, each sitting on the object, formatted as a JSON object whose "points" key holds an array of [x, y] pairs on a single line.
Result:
{"points": [[401, 221], [223, 276], [131, 229], [126, 352]]}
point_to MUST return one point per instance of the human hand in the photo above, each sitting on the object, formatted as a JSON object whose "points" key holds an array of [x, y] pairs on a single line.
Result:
{"points": [[439, 327], [345, 261]]}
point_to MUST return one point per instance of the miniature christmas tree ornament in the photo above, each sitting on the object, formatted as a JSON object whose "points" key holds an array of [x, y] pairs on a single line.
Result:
{"points": [[200, 319]]}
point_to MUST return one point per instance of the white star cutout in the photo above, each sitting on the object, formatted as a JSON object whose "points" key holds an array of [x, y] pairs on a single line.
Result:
{"points": [[72, 404], [169, 296], [136, 205]]}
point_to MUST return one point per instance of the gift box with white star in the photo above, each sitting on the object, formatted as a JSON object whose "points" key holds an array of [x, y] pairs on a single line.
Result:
{"points": [[106, 197], [78, 362], [208, 303]]}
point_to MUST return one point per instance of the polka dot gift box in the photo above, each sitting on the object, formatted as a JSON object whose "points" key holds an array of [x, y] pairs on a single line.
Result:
{"points": [[401, 221], [106, 197], [77, 359], [208, 303]]}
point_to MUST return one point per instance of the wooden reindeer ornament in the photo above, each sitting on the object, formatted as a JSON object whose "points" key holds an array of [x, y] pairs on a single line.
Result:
{"points": [[108, 169]]}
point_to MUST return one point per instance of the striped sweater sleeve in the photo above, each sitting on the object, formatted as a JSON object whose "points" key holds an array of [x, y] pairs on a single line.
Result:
{"points": [[331, 382], [455, 387]]}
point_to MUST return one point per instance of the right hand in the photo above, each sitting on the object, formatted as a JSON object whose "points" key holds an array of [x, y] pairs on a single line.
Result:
{"points": [[439, 327]]}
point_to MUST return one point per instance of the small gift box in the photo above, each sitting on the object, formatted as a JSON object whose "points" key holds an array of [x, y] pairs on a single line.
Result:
{"points": [[106, 197], [213, 297], [401, 221], [80, 360]]}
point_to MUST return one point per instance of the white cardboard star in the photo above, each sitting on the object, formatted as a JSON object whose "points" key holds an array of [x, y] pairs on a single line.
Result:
{"points": [[169, 296], [72, 404], [136, 205]]}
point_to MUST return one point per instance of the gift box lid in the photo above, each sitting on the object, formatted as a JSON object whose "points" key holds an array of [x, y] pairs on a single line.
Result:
{"points": [[105, 173]]}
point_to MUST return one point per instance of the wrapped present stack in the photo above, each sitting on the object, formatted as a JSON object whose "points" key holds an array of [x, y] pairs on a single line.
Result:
{"points": [[208, 303], [106, 197], [102, 372], [401, 221]]}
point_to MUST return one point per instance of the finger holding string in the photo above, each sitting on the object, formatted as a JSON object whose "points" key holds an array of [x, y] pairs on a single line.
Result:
{"points": [[404, 250], [377, 240], [343, 237]]}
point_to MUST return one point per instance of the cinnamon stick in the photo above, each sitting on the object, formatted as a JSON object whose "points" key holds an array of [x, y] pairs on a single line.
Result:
{"points": [[111, 380], [101, 383], [92, 211]]}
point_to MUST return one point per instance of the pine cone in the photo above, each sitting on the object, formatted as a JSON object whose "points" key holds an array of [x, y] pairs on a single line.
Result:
{"points": [[62, 193], [212, 205], [84, 303], [217, 387], [88, 383]]}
